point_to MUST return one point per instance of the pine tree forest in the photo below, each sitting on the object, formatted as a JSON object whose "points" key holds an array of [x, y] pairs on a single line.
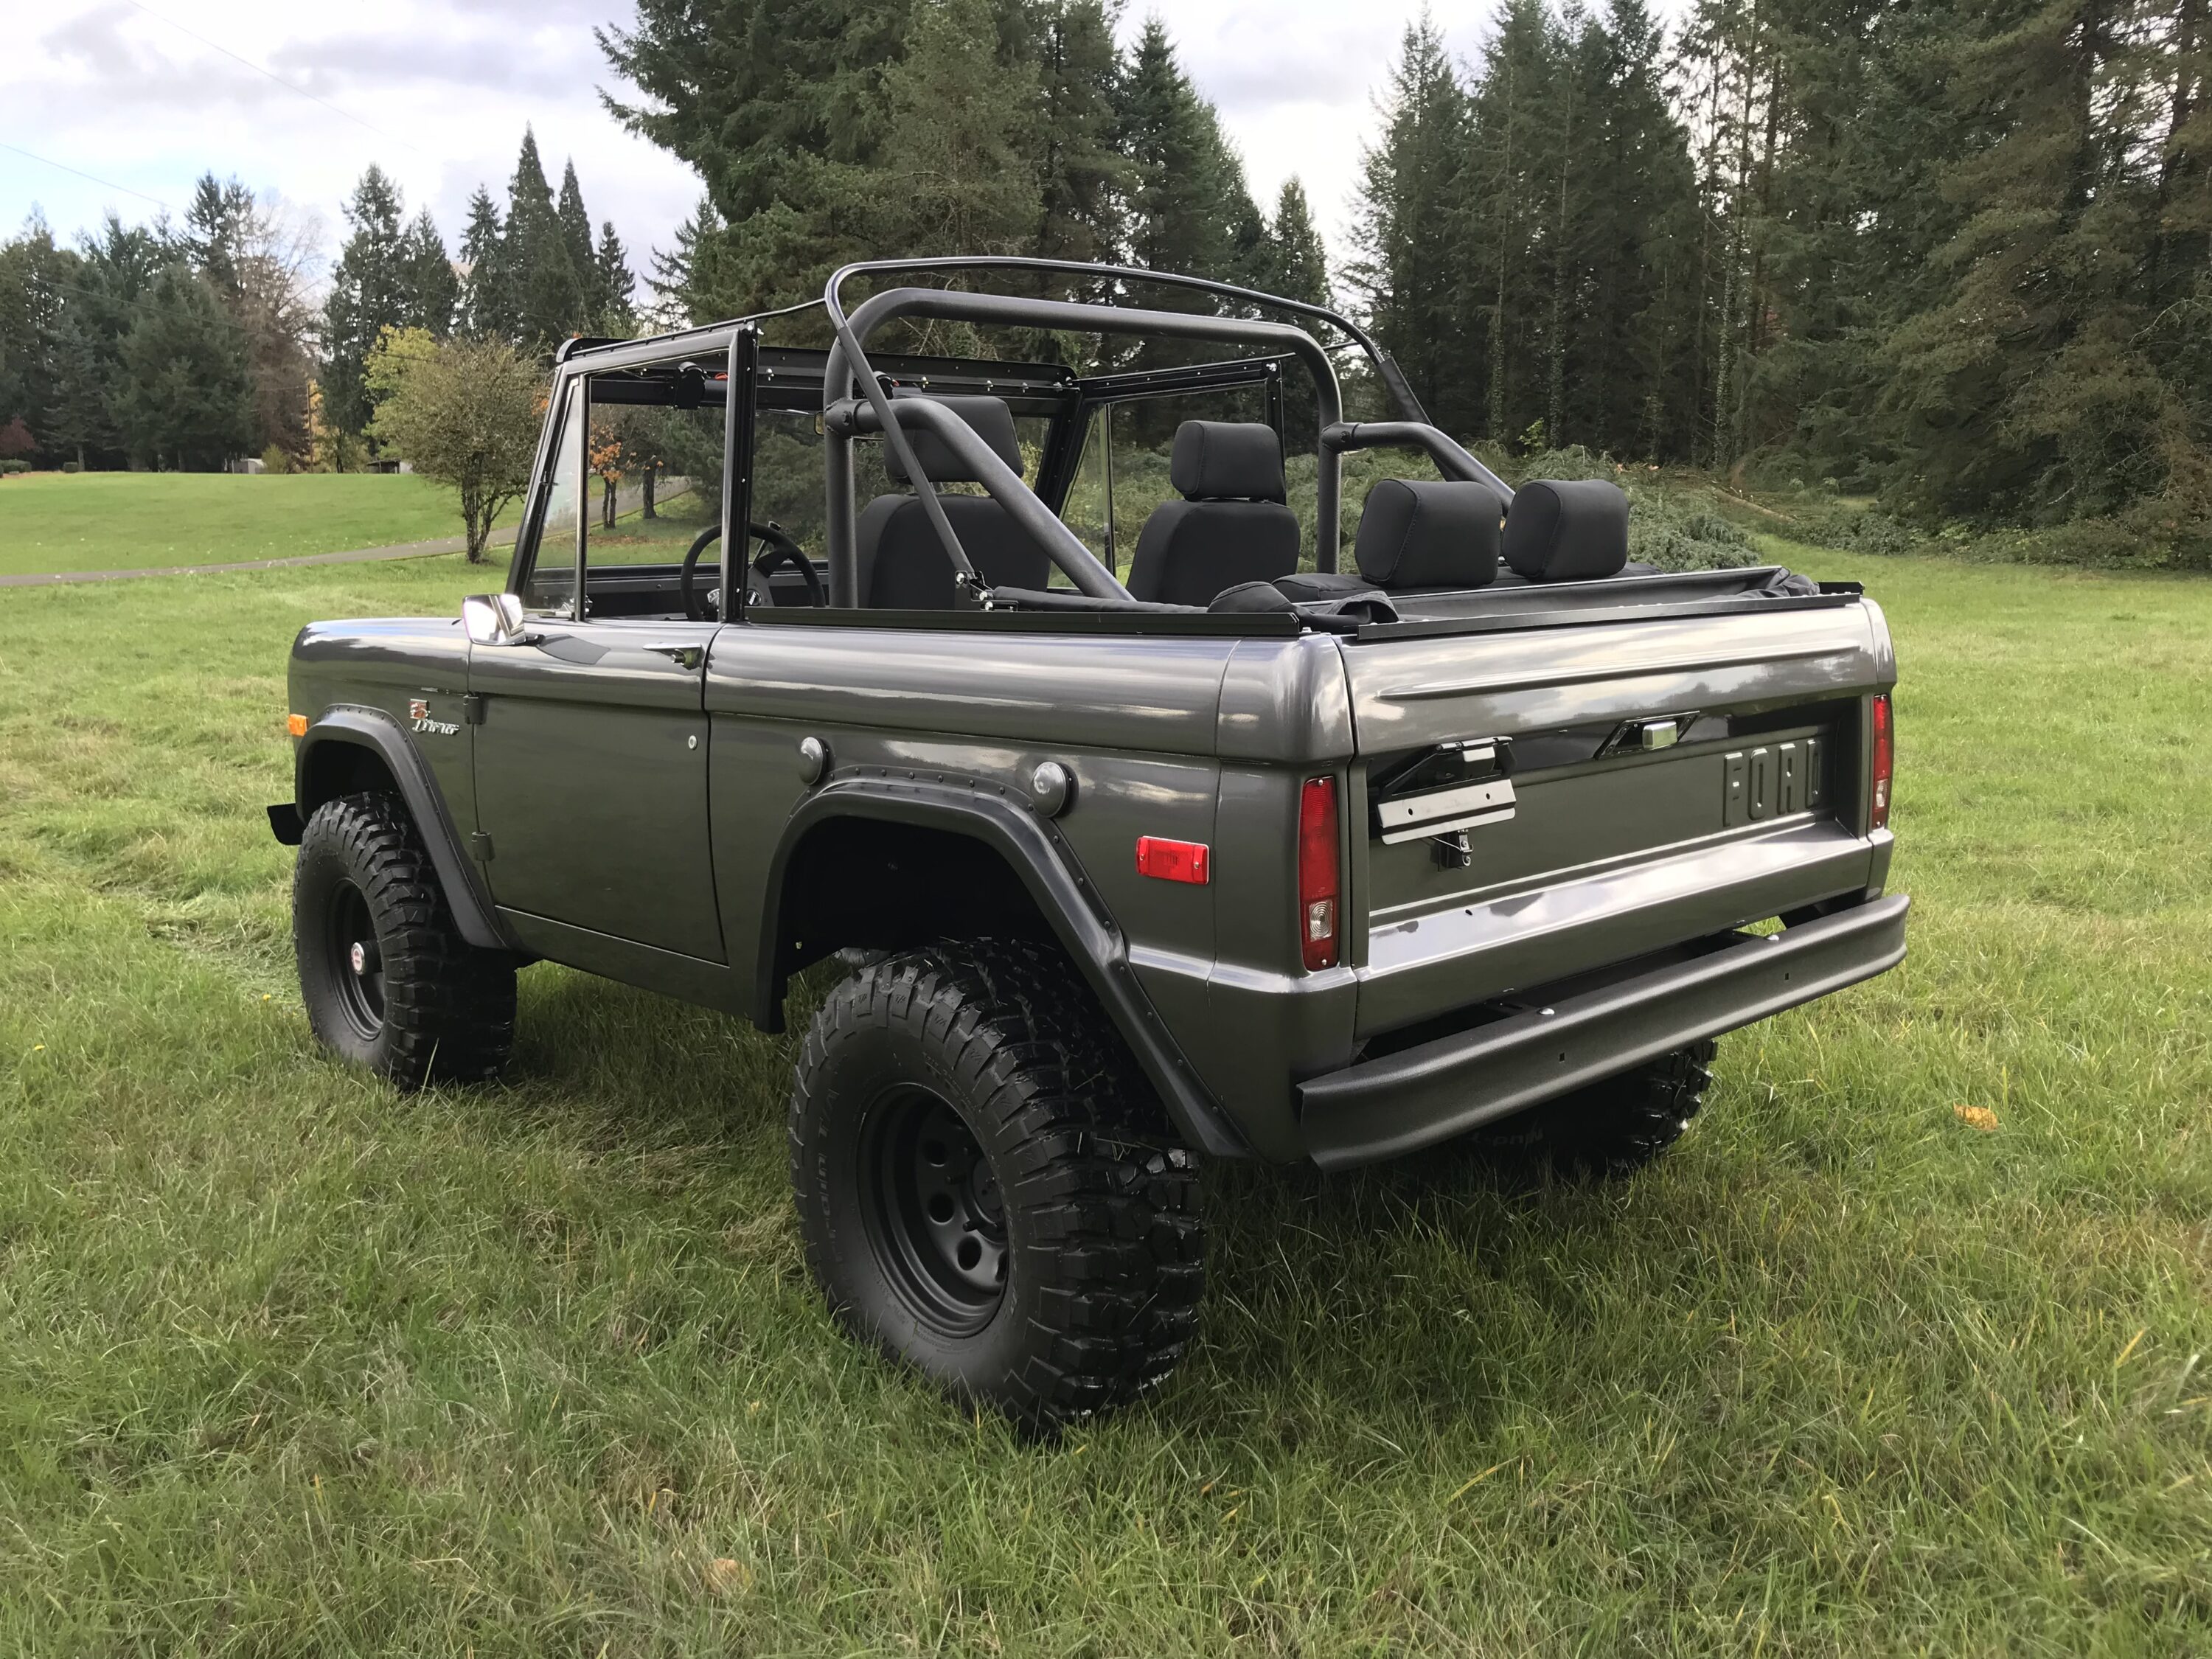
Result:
{"points": [[1953, 257]]}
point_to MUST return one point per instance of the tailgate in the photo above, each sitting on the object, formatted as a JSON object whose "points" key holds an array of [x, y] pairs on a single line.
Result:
{"points": [[1539, 804]]}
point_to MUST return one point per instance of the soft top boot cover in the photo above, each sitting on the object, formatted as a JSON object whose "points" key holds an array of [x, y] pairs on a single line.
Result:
{"points": [[1425, 533], [1570, 531]]}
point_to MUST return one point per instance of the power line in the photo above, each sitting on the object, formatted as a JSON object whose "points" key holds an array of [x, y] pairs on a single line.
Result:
{"points": [[106, 184], [288, 85]]}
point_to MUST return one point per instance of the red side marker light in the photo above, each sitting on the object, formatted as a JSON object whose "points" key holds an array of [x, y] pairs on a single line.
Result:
{"points": [[1173, 860]]}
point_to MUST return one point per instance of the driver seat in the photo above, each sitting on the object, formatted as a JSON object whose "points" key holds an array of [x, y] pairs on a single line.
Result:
{"points": [[903, 565]]}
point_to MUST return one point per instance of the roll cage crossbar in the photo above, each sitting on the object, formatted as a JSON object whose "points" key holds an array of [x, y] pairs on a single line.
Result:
{"points": [[855, 401]]}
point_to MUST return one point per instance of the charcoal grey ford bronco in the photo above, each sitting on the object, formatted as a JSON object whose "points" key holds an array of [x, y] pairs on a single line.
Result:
{"points": [[1130, 853]]}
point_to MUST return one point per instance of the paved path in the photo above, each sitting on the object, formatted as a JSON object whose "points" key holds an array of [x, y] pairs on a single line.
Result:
{"points": [[628, 499], [352, 556]]}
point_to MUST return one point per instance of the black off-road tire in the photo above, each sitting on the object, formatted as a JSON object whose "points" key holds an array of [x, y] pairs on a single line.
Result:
{"points": [[1618, 1126], [986, 1186], [388, 981]]}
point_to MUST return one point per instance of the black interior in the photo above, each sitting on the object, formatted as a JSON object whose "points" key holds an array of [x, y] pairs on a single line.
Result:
{"points": [[1416, 533], [1567, 531], [903, 564], [1231, 527]]}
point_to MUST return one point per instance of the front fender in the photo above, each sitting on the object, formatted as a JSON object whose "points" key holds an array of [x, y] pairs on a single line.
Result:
{"points": [[374, 730], [1055, 881]]}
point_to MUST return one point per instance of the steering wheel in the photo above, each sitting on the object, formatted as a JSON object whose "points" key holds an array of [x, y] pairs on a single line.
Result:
{"points": [[782, 549]]}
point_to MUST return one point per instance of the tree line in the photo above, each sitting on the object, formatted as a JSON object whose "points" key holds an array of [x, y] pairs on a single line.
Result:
{"points": [[189, 346], [1953, 254], [1956, 254], [837, 130]]}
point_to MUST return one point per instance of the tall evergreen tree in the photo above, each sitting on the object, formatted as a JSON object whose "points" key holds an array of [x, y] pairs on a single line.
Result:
{"points": [[216, 226], [1298, 258], [779, 107], [550, 296], [187, 400], [433, 290], [1189, 209], [36, 278], [1081, 176], [956, 176], [369, 293], [616, 286], [576, 241], [116, 268], [2028, 381], [486, 303], [1408, 235]]}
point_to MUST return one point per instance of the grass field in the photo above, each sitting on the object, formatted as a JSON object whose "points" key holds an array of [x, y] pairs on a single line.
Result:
{"points": [[131, 520], [289, 1364]]}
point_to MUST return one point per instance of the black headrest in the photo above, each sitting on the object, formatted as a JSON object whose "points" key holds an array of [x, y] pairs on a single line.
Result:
{"points": [[1422, 534], [994, 422], [1227, 460], [1557, 533]]}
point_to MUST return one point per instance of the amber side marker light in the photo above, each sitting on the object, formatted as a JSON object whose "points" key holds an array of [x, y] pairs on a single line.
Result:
{"points": [[296, 724], [1884, 762]]}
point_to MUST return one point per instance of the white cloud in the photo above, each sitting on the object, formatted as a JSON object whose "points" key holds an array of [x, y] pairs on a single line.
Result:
{"points": [[438, 94]]}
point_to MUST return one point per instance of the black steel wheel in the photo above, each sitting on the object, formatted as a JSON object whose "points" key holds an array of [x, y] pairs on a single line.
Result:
{"points": [[388, 981], [356, 969], [985, 1187], [933, 1208]]}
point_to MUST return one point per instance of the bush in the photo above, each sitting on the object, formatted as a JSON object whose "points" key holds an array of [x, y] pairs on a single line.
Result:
{"points": [[464, 413], [8, 469], [275, 459]]}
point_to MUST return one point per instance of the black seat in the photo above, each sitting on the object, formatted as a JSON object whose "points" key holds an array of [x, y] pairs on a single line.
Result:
{"points": [[903, 565], [1231, 526], [1567, 531], [1416, 533]]}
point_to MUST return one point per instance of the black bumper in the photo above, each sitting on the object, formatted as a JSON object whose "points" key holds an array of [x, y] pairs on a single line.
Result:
{"points": [[1402, 1102]]}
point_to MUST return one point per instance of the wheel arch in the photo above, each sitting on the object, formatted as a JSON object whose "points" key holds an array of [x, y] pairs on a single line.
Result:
{"points": [[351, 748], [1025, 857]]}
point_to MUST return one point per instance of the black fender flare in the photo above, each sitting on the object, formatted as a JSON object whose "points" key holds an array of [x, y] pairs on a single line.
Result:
{"points": [[374, 729], [1004, 821]]}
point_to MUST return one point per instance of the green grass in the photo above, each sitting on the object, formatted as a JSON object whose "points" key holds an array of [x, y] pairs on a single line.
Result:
{"points": [[132, 520], [290, 1365]]}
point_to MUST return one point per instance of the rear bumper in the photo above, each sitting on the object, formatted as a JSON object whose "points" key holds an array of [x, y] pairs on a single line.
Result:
{"points": [[1402, 1102]]}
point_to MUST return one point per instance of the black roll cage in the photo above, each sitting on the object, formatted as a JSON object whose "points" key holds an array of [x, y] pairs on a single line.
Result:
{"points": [[858, 399]]}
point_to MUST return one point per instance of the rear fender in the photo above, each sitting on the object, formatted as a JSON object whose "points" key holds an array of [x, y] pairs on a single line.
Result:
{"points": [[376, 733], [1056, 884]]}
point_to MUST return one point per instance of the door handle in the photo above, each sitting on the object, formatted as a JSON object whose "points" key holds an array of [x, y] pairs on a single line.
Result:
{"points": [[683, 656]]}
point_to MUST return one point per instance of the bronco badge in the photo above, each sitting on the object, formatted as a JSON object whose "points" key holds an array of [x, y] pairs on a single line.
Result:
{"points": [[418, 710]]}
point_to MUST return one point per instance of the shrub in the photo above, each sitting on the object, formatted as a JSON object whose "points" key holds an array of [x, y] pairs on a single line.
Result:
{"points": [[275, 459], [465, 413]]}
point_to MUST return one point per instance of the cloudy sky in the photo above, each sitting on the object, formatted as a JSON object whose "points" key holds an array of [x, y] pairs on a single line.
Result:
{"points": [[121, 104]]}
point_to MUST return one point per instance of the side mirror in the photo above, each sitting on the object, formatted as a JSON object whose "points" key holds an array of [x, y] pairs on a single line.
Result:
{"points": [[495, 619]]}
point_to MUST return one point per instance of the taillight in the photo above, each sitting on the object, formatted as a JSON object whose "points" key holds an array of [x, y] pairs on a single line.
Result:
{"points": [[1319, 911], [1884, 762]]}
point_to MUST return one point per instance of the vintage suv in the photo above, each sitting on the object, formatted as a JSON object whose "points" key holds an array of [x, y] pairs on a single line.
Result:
{"points": [[1209, 856]]}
